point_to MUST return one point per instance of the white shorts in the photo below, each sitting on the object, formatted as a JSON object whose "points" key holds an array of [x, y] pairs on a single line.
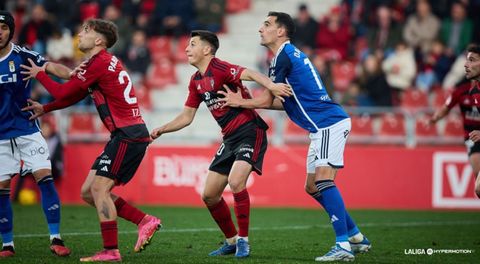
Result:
{"points": [[327, 146], [32, 149]]}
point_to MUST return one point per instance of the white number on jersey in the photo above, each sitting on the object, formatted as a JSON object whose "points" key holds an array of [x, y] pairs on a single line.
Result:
{"points": [[126, 93]]}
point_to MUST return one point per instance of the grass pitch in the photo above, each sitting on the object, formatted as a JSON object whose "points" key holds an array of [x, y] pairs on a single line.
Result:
{"points": [[276, 236]]}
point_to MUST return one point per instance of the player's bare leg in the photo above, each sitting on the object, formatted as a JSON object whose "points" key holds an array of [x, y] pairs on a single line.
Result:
{"points": [[475, 163], [107, 214], [147, 224], [212, 197]]}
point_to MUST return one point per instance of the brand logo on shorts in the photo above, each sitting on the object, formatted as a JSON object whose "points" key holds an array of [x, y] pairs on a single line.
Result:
{"points": [[40, 150], [104, 168], [334, 218], [247, 155], [345, 133]]}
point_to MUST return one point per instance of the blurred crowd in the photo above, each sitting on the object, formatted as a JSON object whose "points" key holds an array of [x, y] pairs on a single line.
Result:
{"points": [[50, 27], [369, 52]]}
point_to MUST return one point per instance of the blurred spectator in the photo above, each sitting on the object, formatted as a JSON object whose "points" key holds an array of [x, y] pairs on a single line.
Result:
{"points": [[385, 34], [356, 10], [457, 31], [60, 45], [137, 57], [65, 13], [401, 9], [125, 30], [36, 31], [433, 67], [54, 143], [305, 31], [400, 69], [324, 69], [334, 35], [456, 73], [209, 15], [355, 96], [20, 9], [422, 28], [172, 18], [374, 82]]}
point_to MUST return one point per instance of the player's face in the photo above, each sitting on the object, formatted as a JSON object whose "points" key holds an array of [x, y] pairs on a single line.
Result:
{"points": [[472, 66], [195, 50], [4, 33], [87, 38], [268, 31]]}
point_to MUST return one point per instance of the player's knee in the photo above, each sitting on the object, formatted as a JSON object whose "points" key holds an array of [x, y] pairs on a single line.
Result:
{"points": [[98, 190], [310, 189], [210, 200], [236, 185], [86, 195]]}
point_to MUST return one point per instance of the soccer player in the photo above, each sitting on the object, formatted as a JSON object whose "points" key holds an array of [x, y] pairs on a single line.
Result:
{"points": [[471, 122], [20, 139], [244, 138], [472, 72], [311, 108], [110, 86]]}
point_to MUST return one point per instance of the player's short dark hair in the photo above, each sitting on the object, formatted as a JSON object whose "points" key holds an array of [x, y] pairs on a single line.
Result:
{"points": [[474, 47], [107, 28], [209, 37], [284, 20]]}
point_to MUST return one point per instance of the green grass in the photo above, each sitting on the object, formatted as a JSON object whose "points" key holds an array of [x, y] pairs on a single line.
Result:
{"points": [[276, 236]]}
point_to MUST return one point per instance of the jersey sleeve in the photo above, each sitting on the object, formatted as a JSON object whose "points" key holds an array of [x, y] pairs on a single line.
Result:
{"points": [[193, 98], [453, 99], [233, 73], [33, 55], [282, 67]]}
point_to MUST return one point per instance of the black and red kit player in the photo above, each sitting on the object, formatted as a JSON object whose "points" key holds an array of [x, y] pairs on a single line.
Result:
{"points": [[244, 138], [104, 78]]}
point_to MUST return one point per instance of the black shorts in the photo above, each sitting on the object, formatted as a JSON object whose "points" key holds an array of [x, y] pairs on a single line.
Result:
{"points": [[120, 159], [475, 148], [248, 143]]}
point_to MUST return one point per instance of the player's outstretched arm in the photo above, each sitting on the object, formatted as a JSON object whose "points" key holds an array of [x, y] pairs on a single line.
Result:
{"points": [[439, 114], [184, 119], [279, 90], [235, 99], [58, 70]]}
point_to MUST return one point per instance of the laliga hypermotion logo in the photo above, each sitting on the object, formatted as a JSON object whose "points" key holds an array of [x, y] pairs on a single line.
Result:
{"points": [[453, 181]]}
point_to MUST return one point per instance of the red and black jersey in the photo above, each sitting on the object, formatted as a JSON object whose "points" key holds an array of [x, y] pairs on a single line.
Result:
{"points": [[110, 86], [470, 115], [205, 88]]}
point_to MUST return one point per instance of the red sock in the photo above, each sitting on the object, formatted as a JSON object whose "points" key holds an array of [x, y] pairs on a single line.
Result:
{"points": [[109, 234], [242, 211], [128, 212], [221, 214]]}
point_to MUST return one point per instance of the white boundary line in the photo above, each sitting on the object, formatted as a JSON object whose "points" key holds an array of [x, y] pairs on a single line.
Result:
{"points": [[296, 227]]}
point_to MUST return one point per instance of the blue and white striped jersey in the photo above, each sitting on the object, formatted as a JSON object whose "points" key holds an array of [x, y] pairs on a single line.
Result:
{"points": [[310, 107], [14, 93]]}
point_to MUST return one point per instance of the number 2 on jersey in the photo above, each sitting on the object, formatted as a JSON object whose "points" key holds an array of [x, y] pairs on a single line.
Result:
{"points": [[126, 93]]}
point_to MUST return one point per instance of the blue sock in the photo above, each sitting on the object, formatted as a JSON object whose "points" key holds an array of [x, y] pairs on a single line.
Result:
{"points": [[351, 226], [50, 204], [6, 215], [333, 204]]}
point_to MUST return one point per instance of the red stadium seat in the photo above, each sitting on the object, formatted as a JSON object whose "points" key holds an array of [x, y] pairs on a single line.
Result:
{"points": [[361, 126], [453, 127], [179, 54], [234, 6], [161, 74], [392, 128], [342, 73], [423, 129], [414, 98], [143, 96], [439, 97], [160, 47], [82, 126]]}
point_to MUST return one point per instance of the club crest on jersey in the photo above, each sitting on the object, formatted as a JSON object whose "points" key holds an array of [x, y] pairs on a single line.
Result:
{"points": [[11, 66], [199, 87], [233, 71]]}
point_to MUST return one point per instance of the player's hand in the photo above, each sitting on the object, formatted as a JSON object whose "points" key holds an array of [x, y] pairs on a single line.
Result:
{"points": [[474, 135], [156, 133], [280, 90], [36, 107], [32, 70], [230, 98], [79, 68]]}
